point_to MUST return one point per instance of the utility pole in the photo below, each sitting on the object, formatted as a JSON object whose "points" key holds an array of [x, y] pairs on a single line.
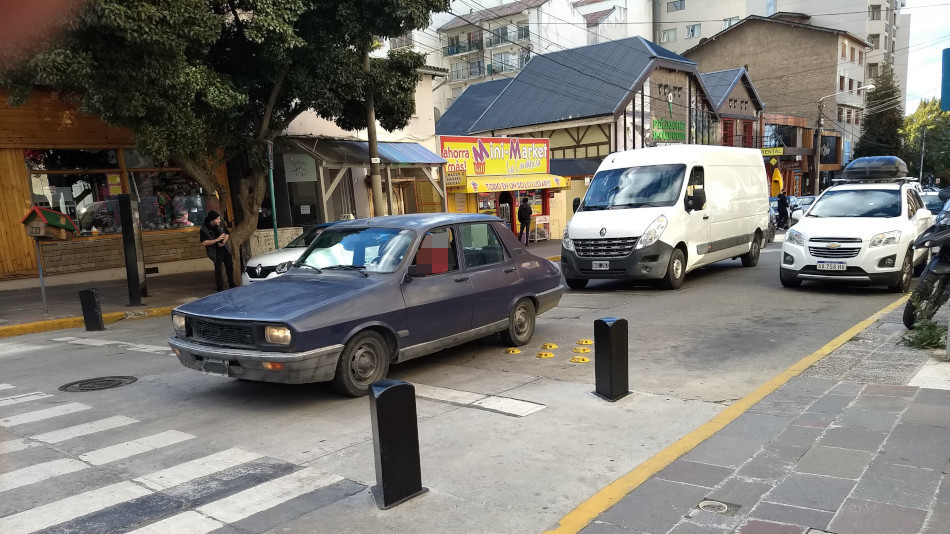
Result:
{"points": [[376, 180], [816, 182], [923, 143]]}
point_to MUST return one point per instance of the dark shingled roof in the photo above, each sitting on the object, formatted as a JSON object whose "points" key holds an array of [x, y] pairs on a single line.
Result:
{"points": [[469, 106], [597, 16], [588, 81], [491, 13], [720, 84]]}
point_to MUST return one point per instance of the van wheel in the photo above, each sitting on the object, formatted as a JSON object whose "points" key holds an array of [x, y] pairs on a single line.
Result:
{"points": [[576, 283], [751, 258], [676, 271], [364, 360]]}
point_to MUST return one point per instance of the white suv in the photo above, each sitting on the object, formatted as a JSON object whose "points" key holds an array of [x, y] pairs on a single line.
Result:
{"points": [[858, 232]]}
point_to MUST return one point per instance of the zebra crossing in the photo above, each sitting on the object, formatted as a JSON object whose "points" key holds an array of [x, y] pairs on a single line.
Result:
{"points": [[209, 490]]}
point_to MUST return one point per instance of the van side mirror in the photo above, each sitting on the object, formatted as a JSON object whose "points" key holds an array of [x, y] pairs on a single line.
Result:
{"points": [[696, 201], [577, 203]]}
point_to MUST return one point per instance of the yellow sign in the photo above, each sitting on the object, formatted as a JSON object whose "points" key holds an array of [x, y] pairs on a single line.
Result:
{"points": [[495, 156], [777, 151], [490, 184], [454, 178]]}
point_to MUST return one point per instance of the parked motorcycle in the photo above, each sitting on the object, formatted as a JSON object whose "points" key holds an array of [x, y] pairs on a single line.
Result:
{"points": [[933, 288]]}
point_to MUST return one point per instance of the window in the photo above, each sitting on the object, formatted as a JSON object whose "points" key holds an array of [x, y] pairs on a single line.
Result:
{"points": [[481, 245], [850, 85], [860, 57], [693, 30], [872, 70], [731, 21], [502, 62], [874, 12], [668, 35], [676, 5], [875, 40], [458, 72], [841, 83], [748, 136], [728, 132], [857, 116], [852, 54], [840, 113], [848, 117], [859, 87], [844, 50], [524, 31], [476, 68], [436, 254]]}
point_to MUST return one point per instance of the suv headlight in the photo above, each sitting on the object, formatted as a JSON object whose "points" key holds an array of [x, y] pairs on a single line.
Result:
{"points": [[795, 238], [279, 335], [886, 238], [567, 242], [653, 232], [178, 322]]}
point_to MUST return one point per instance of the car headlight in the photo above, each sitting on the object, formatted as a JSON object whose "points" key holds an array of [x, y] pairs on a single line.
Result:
{"points": [[886, 238], [567, 242], [283, 267], [279, 335], [795, 237], [178, 322], [653, 233]]}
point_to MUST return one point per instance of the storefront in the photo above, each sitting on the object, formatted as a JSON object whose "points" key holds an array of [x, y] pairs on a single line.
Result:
{"points": [[491, 175]]}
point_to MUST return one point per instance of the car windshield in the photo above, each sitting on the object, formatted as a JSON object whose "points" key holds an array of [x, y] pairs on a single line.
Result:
{"points": [[806, 201], [933, 203], [858, 203], [303, 240], [378, 250], [649, 185]]}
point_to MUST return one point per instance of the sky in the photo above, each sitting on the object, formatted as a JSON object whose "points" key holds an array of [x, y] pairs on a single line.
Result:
{"points": [[929, 35]]}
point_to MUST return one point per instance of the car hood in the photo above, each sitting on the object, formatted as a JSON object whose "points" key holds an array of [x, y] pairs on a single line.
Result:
{"points": [[283, 298], [629, 222], [859, 227], [274, 258]]}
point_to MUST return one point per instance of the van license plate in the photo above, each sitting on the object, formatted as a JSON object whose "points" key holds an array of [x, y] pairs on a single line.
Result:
{"points": [[600, 265], [832, 266], [214, 366]]}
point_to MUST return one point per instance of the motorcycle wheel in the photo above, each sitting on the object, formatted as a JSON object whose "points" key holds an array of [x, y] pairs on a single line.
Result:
{"points": [[928, 296]]}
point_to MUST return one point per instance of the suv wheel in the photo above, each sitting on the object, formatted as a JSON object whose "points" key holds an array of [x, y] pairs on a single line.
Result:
{"points": [[907, 271]]}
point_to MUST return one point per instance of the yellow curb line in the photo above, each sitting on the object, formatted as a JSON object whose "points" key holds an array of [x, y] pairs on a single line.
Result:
{"points": [[587, 511], [77, 322]]}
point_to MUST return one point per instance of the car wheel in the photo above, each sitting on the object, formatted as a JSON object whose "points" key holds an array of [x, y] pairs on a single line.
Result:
{"points": [[907, 272], [576, 283], [789, 281], [520, 324], [919, 270], [675, 271], [771, 234], [751, 258], [364, 360]]}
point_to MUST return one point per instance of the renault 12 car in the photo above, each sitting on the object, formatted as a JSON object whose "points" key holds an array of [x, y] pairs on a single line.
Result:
{"points": [[861, 230], [369, 293]]}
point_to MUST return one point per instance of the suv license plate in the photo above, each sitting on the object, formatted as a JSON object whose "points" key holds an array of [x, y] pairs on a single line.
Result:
{"points": [[214, 366], [600, 265], [832, 266]]}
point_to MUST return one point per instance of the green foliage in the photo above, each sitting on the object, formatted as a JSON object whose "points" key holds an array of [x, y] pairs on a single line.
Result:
{"points": [[928, 118], [883, 118], [926, 335]]}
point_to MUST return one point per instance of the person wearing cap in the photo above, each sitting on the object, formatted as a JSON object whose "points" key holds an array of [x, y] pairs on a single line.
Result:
{"points": [[215, 237]]}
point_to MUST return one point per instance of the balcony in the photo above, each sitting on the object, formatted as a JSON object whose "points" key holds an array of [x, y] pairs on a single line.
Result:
{"points": [[466, 74], [461, 48]]}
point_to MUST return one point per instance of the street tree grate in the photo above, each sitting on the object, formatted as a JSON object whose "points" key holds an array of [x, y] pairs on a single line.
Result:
{"points": [[96, 384]]}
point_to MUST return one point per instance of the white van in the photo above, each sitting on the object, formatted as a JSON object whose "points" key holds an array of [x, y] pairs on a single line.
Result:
{"points": [[658, 213]]}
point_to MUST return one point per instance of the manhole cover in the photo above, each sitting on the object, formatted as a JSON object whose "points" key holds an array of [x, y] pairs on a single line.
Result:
{"points": [[95, 384]]}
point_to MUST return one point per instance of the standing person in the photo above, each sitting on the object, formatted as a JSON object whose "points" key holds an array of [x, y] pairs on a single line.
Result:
{"points": [[215, 238], [782, 210], [524, 220]]}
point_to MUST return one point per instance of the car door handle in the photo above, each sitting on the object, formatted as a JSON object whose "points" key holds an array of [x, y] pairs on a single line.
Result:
{"points": [[461, 279], [510, 269], [705, 217]]}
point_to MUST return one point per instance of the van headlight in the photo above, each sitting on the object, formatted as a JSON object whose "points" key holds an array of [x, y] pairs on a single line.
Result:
{"points": [[178, 322], [278, 335], [794, 237], [653, 232], [567, 242], [886, 238]]}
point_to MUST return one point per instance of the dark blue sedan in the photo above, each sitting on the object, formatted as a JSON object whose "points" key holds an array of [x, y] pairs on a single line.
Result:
{"points": [[368, 293]]}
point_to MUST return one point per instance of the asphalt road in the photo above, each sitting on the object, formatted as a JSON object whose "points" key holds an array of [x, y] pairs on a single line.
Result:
{"points": [[509, 442]]}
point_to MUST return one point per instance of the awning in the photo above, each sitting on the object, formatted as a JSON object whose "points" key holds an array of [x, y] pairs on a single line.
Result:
{"points": [[338, 151], [490, 184], [575, 166]]}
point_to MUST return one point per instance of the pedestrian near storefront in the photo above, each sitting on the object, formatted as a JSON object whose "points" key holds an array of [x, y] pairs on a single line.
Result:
{"points": [[782, 206], [524, 220], [214, 236]]}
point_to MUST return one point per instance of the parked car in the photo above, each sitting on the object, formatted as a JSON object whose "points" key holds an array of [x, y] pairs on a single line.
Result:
{"points": [[368, 293], [932, 201], [860, 231], [272, 264], [773, 223]]}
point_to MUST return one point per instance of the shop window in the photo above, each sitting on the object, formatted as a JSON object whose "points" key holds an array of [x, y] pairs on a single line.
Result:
{"points": [[88, 198], [69, 160], [481, 245], [170, 199]]}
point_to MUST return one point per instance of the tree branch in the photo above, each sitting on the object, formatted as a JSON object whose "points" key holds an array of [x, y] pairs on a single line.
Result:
{"points": [[271, 101], [237, 19]]}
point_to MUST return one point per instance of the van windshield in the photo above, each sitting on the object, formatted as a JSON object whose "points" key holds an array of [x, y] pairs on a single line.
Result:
{"points": [[635, 187]]}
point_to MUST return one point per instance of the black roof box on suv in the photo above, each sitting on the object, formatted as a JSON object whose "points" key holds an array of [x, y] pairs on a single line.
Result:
{"points": [[876, 168]]}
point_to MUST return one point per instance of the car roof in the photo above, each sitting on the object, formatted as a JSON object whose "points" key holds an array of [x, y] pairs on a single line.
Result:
{"points": [[416, 221], [875, 186]]}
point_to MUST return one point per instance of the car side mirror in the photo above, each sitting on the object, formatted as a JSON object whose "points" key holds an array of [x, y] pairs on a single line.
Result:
{"points": [[923, 213], [416, 271], [696, 201], [577, 203], [795, 217]]}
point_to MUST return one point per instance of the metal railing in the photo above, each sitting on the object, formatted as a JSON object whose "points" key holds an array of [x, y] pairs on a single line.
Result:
{"points": [[461, 48]]}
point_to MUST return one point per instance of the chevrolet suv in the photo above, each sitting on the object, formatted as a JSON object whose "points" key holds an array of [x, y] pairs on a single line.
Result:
{"points": [[860, 231]]}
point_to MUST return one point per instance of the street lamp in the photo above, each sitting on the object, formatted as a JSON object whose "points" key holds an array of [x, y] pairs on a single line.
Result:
{"points": [[818, 128]]}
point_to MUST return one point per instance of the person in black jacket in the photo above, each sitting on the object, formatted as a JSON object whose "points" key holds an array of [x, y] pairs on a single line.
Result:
{"points": [[215, 239], [782, 210], [524, 220]]}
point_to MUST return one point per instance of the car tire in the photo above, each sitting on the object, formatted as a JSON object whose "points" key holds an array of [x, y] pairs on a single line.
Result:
{"points": [[907, 272], [919, 270], [789, 282], [675, 271], [364, 360], [751, 258], [576, 283], [520, 324], [771, 235]]}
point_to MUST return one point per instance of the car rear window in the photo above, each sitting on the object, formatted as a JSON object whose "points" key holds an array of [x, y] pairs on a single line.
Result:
{"points": [[858, 203]]}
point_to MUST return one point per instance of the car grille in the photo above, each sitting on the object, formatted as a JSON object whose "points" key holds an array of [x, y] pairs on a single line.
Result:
{"points": [[221, 333], [821, 252], [265, 272], [604, 248], [834, 240]]}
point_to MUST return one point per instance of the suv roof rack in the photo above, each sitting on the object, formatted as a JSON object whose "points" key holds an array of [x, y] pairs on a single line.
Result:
{"points": [[877, 169]]}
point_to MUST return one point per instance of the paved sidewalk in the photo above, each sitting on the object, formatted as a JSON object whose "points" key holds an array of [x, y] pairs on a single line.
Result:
{"points": [[857, 443]]}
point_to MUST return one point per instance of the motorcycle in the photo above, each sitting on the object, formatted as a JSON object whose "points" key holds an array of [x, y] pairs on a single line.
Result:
{"points": [[933, 288]]}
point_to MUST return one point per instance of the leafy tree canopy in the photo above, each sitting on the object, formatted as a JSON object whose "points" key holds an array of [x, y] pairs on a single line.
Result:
{"points": [[928, 118], [883, 117]]}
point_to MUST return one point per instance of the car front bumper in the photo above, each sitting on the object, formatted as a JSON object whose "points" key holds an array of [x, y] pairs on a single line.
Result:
{"points": [[866, 267], [316, 365], [648, 263]]}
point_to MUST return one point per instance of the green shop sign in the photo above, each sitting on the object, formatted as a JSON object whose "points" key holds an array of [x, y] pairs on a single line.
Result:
{"points": [[664, 130]]}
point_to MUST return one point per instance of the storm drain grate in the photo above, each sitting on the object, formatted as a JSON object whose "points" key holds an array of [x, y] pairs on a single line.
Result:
{"points": [[95, 384]]}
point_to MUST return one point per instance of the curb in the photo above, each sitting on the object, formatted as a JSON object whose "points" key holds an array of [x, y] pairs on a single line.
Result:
{"points": [[581, 516], [77, 322]]}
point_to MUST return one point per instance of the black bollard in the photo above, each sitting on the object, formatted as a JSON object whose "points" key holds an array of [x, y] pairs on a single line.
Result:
{"points": [[392, 405], [91, 312], [610, 358]]}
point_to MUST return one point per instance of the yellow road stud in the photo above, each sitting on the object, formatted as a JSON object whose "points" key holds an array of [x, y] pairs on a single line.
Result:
{"points": [[585, 342], [549, 346], [545, 355], [580, 359], [512, 350], [581, 350]]}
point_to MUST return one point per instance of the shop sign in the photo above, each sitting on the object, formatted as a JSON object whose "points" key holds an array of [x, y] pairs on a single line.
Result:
{"points": [[454, 178], [299, 168], [491, 184], [777, 151], [496, 156], [664, 130]]}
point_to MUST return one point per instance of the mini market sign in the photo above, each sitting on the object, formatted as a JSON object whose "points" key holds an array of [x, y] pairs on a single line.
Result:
{"points": [[496, 156]]}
